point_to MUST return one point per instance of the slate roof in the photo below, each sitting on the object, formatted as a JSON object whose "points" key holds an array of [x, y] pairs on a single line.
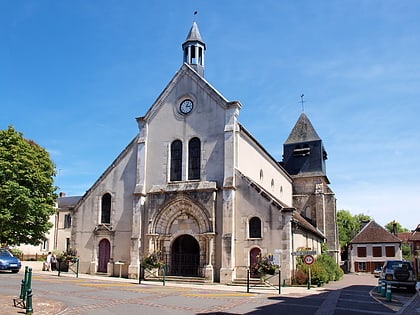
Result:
{"points": [[194, 35], [374, 233], [68, 202], [303, 131]]}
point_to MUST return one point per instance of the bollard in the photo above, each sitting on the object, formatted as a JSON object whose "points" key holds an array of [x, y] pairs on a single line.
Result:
{"points": [[379, 286], [29, 309], [247, 280], [24, 285], [164, 275], [383, 288], [279, 281], [388, 293]]}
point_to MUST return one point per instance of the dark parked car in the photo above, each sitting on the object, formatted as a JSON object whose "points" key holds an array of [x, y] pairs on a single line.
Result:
{"points": [[8, 261], [399, 273]]}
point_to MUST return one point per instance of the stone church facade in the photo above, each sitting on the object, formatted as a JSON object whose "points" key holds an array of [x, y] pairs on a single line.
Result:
{"points": [[197, 189]]}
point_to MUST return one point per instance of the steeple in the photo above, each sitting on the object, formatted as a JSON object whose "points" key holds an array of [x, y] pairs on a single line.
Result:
{"points": [[303, 150], [194, 48]]}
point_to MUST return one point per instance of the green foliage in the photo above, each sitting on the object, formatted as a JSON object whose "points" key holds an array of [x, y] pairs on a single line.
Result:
{"points": [[263, 266], [406, 252], [152, 261], [16, 252], [399, 229], [27, 193], [349, 225], [323, 270]]}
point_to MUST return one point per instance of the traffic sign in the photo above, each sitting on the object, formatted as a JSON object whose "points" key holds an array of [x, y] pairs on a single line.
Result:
{"points": [[308, 259], [304, 253]]}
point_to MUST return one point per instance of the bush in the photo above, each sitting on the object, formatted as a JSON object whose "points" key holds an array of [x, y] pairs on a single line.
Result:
{"points": [[152, 261], [263, 266], [301, 277], [323, 270]]}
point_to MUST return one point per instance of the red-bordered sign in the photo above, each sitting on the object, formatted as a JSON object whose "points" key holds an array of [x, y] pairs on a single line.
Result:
{"points": [[308, 259]]}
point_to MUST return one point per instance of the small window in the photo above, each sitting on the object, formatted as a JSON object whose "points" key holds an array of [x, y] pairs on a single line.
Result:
{"points": [[261, 175], [194, 158], [106, 209], [361, 251], [67, 221], [176, 161], [377, 251], [272, 184], [255, 228], [390, 251]]}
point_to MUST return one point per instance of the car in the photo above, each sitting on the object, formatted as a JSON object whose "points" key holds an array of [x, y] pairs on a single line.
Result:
{"points": [[377, 272], [399, 273], [9, 262]]}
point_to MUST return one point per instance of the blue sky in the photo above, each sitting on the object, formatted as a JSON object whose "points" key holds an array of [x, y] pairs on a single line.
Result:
{"points": [[75, 74]]}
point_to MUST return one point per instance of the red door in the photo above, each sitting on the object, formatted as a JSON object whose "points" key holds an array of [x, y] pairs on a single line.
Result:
{"points": [[253, 259], [104, 255]]}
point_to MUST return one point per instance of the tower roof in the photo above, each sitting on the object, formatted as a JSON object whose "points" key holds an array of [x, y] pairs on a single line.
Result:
{"points": [[303, 131], [194, 35]]}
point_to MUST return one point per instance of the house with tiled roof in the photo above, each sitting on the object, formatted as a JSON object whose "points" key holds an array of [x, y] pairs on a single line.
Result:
{"points": [[371, 247], [414, 241]]}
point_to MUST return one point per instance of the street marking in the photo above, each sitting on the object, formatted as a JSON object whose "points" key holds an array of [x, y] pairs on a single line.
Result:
{"points": [[217, 294]]}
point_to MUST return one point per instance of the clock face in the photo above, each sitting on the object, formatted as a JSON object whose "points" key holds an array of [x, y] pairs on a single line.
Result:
{"points": [[186, 106]]}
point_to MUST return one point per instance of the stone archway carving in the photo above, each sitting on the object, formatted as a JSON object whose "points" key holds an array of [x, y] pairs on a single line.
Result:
{"points": [[181, 206]]}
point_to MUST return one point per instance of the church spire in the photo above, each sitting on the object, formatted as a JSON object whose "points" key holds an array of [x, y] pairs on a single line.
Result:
{"points": [[194, 48], [303, 151]]}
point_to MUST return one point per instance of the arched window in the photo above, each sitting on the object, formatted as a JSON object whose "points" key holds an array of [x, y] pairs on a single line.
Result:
{"points": [[194, 158], [176, 160], [106, 209], [255, 227]]}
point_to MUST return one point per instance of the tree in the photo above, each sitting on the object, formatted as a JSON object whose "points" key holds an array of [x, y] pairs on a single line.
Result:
{"points": [[27, 193], [348, 226], [398, 227]]}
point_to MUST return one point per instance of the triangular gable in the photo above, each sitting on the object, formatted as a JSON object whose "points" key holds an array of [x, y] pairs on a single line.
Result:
{"points": [[185, 70], [374, 233]]}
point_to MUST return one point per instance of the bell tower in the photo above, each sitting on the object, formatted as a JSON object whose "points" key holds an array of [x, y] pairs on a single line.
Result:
{"points": [[194, 48], [304, 159]]}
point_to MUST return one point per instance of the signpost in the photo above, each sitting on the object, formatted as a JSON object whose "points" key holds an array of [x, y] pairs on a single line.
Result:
{"points": [[309, 260], [304, 253]]}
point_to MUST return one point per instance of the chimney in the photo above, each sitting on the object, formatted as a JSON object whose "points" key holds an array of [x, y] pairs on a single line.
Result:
{"points": [[62, 194]]}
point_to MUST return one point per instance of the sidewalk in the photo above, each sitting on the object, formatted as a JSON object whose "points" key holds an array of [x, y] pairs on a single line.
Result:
{"points": [[288, 290]]}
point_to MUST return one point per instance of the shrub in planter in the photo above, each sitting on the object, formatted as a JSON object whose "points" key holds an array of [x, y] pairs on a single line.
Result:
{"points": [[152, 261], [263, 266]]}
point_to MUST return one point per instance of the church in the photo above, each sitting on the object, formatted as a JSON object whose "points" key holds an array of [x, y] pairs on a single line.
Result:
{"points": [[197, 190]]}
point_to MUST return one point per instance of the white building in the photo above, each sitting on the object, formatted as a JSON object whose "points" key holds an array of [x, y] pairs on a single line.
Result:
{"points": [[195, 187]]}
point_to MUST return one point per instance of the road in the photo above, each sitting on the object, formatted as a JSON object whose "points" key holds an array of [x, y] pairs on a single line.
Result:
{"points": [[68, 295]]}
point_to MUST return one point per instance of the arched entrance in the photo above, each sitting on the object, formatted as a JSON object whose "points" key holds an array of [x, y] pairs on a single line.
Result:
{"points": [[185, 257], [253, 259], [104, 255]]}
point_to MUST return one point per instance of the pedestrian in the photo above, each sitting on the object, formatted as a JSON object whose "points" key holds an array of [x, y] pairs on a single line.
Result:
{"points": [[48, 262]]}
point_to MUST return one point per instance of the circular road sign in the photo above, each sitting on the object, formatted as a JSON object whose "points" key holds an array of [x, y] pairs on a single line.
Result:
{"points": [[308, 259]]}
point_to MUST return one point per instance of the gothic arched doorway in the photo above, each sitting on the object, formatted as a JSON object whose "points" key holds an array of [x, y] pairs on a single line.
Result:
{"points": [[185, 257], [104, 255], [253, 259]]}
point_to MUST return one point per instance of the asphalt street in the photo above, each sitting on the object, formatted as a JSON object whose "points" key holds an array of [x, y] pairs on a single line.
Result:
{"points": [[87, 294]]}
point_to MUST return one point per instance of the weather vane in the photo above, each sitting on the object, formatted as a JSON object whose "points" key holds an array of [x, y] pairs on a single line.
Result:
{"points": [[302, 101]]}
